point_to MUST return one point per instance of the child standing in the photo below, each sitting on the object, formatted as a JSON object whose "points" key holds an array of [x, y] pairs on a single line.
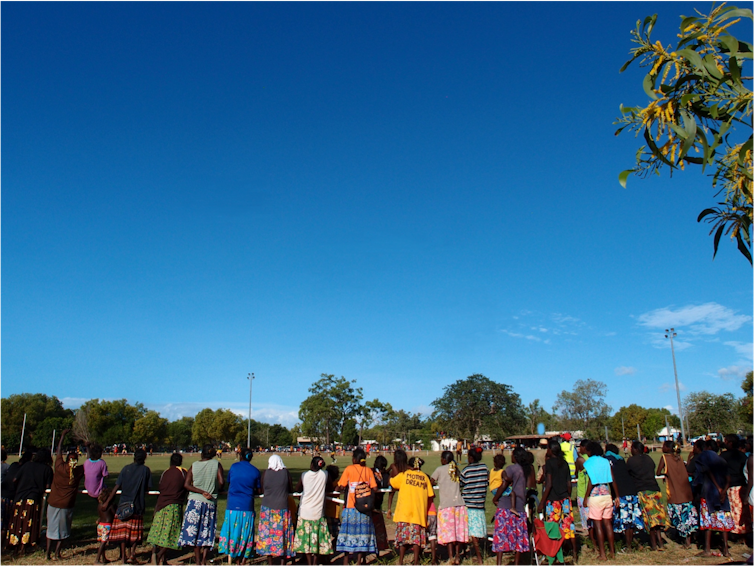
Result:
{"points": [[496, 475], [95, 471], [105, 516]]}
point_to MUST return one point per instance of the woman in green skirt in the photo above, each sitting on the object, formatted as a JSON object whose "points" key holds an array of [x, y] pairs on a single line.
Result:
{"points": [[312, 533], [168, 511]]}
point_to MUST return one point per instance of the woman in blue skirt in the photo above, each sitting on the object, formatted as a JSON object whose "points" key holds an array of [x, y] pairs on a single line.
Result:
{"points": [[237, 535], [356, 534]]}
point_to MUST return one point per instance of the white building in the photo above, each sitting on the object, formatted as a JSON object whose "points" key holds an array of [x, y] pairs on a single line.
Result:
{"points": [[444, 444]]}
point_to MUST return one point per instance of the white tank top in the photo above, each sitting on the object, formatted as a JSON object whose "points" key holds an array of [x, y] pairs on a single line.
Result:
{"points": [[312, 504]]}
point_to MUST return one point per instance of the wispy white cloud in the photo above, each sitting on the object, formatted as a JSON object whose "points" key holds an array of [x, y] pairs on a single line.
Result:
{"points": [[733, 372], [623, 370], [742, 349], [527, 336], [73, 402], [706, 319], [665, 387]]}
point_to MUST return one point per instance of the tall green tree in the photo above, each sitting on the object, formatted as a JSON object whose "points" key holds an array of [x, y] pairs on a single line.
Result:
{"points": [[38, 407], [535, 413], [150, 429], [111, 422], [472, 407], [699, 113], [626, 418], [708, 412], [214, 427], [584, 408], [331, 403], [179, 433], [747, 416]]}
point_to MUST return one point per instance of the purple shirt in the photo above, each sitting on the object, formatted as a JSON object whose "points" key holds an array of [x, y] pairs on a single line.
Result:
{"points": [[95, 473]]}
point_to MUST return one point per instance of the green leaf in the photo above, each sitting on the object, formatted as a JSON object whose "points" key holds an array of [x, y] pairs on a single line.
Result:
{"points": [[689, 20], [649, 23], [689, 124], [705, 212], [734, 12], [731, 44], [742, 247], [649, 83], [623, 177], [709, 64], [717, 239], [742, 153], [654, 149], [686, 98], [693, 57], [735, 70], [706, 155]]}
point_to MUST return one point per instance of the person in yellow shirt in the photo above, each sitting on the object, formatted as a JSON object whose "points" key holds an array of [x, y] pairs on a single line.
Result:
{"points": [[415, 494], [496, 475]]}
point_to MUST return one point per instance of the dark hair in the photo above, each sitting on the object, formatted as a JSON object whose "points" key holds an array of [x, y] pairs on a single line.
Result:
{"points": [[400, 459], [584, 443], [611, 448], [700, 444], [380, 462], [360, 457], [416, 463], [638, 446], [4, 455], [447, 456], [26, 456], [499, 461], [712, 445], [247, 454], [140, 456], [176, 459], [42, 456], [733, 439], [332, 472], [475, 454], [94, 451], [594, 449], [208, 451], [557, 452], [525, 459], [317, 464]]}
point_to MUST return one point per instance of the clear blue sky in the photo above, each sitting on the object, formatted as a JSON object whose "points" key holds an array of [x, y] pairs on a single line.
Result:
{"points": [[402, 194]]}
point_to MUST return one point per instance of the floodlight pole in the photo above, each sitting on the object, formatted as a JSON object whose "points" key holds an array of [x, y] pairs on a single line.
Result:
{"points": [[672, 334], [250, 377]]}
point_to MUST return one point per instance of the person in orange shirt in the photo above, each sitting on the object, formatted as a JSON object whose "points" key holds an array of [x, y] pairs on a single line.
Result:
{"points": [[356, 534], [415, 494]]}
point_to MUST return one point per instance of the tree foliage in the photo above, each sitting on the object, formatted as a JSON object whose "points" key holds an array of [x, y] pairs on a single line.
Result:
{"points": [[333, 401], [178, 434], [535, 414], [584, 408], [651, 421], [747, 416], [112, 422], [44, 414], [698, 99], [150, 429], [708, 412], [215, 427], [477, 405]]}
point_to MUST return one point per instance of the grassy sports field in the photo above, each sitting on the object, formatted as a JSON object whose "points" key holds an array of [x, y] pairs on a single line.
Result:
{"points": [[84, 546]]}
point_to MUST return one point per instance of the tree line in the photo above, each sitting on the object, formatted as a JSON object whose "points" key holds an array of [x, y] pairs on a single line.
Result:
{"points": [[335, 411]]}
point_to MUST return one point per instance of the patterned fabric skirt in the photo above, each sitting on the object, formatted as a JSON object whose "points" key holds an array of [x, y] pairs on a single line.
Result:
{"points": [[739, 510], [199, 523], [432, 527], [275, 536], [24, 524], [653, 511], [129, 531], [410, 534], [684, 518], [379, 530], [312, 537], [628, 515], [237, 534], [560, 512], [477, 523], [452, 525], [586, 522], [511, 534], [714, 520], [356, 533], [166, 527], [103, 531]]}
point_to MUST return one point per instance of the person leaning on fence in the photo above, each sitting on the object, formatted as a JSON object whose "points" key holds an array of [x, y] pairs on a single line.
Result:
{"points": [[65, 485], [681, 510], [32, 480], [276, 525], [382, 477], [312, 536], [642, 469], [203, 482], [168, 511], [134, 481], [95, 470], [237, 534], [356, 534], [414, 496]]}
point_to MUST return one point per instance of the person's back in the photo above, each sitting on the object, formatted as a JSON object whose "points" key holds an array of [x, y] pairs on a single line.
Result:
{"points": [[415, 490], [204, 477], [95, 471], [243, 480], [312, 503], [276, 488]]}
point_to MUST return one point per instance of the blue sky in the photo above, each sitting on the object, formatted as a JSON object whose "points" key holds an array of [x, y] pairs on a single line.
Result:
{"points": [[402, 194]]}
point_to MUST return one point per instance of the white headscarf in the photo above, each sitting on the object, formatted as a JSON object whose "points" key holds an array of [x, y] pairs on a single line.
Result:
{"points": [[275, 463]]}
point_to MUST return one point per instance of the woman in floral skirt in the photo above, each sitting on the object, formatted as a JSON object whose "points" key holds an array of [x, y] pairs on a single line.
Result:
{"points": [[275, 537], [511, 533], [312, 533]]}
